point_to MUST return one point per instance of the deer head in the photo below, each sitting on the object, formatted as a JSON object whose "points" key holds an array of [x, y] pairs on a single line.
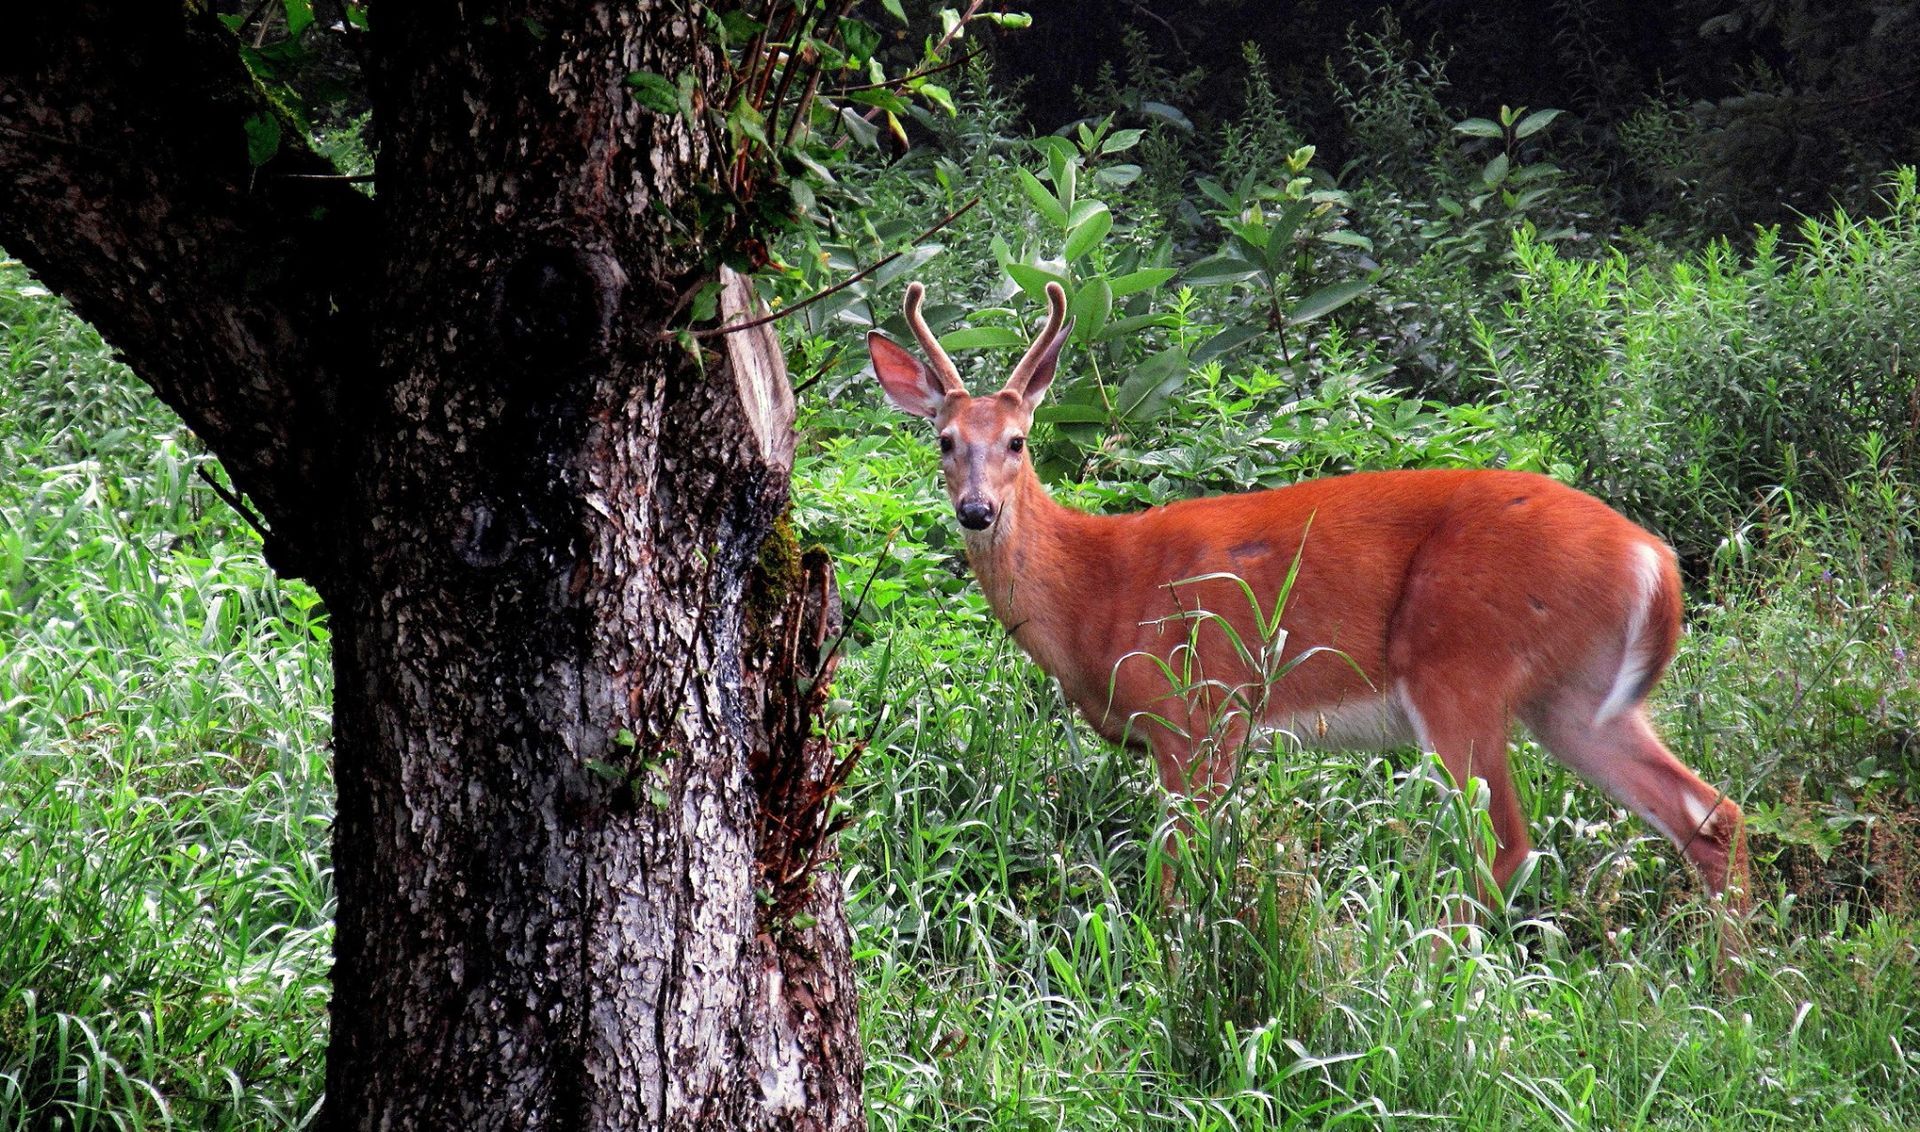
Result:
{"points": [[983, 440]]}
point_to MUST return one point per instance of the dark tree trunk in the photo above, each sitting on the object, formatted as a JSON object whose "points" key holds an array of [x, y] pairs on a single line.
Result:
{"points": [[581, 798]]}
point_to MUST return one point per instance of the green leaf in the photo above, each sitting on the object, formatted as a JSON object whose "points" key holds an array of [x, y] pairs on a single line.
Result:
{"points": [[1143, 280], [1082, 210], [1122, 140], [1145, 391], [937, 95], [1495, 172], [1066, 175], [1218, 194], [1290, 219], [1166, 113], [1069, 413], [1117, 176], [299, 17], [883, 98], [1250, 236], [1218, 270], [1326, 300], [263, 138], [1042, 199], [894, 9], [982, 337], [1280, 237], [706, 302], [738, 27], [1058, 151], [861, 39], [1033, 280], [654, 92], [745, 120], [861, 130], [1090, 308], [1479, 128], [1088, 232], [1227, 339], [1534, 123], [1347, 237], [1121, 327]]}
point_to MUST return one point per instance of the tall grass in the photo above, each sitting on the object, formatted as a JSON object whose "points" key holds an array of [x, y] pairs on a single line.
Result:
{"points": [[165, 896], [165, 902]]}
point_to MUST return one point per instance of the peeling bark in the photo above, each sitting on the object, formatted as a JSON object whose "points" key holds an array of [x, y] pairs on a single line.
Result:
{"points": [[539, 525]]}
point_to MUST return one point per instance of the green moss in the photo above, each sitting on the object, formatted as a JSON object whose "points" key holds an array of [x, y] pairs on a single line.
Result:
{"points": [[776, 571]]}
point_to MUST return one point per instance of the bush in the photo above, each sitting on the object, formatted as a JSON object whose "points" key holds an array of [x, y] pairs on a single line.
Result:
{"points": [[1684, 392]]}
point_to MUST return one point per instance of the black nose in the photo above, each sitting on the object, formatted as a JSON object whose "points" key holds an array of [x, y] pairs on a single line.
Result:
{"points": [[975, 514]]}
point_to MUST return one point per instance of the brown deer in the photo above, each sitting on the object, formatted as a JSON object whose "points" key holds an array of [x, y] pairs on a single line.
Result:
{"points": [[1445, 603]]}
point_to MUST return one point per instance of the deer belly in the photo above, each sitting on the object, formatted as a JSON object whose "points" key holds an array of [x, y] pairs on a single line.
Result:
{"points": [[1360, 723]]}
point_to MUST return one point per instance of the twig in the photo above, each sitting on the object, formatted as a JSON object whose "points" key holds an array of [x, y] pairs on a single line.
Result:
{"points": [[818, 374], [920, 74], [874, 112], [958, 25], [247, 21], [717, 331], [233, 500], [1162, 21]]}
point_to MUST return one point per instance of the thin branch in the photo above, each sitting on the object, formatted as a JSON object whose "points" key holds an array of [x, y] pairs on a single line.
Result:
{"points": [[233, 500], [819, 373], [920, 74], [1162, 21], [717, 331], [799, 56], [958, 26]]}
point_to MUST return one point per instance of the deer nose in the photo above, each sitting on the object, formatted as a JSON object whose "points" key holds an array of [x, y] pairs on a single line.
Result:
{"points": [[975, 514]]}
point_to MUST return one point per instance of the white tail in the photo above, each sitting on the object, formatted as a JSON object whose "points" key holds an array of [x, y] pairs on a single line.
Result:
{"points": [[1456, 601]]}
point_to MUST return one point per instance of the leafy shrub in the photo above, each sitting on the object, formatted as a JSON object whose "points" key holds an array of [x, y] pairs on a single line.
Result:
{"points": [[1684, 391]]}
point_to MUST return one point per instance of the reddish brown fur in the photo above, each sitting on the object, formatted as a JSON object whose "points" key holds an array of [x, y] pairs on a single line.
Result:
{"points": [[1456, 600]]}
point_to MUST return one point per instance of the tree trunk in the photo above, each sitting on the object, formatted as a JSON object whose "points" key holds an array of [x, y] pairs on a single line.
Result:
{"points": [[577, 656]]}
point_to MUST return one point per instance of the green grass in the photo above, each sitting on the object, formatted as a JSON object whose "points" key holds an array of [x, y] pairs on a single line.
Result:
{"points": [[165, 893], [165, 901]]}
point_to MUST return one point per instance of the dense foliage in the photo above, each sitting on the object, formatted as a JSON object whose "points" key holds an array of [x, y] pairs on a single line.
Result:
{"points": [[1247, 316]]}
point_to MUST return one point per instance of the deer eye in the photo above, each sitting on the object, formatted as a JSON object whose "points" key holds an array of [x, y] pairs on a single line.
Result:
{"points": [[1016, 444], [946, 444]]}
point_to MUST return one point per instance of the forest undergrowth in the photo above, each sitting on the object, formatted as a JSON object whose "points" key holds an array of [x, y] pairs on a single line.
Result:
{"points": [[1246, 318]]}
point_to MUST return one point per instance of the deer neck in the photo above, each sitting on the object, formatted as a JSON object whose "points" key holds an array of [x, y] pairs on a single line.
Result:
{"points": [[1024, 562]]}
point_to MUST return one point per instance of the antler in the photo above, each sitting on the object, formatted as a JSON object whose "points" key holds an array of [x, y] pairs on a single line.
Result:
{"points": [[943, 366], [1042, 346]]}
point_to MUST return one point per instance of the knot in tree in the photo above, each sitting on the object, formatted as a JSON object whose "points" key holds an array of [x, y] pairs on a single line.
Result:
{"points": [[554, 306]]}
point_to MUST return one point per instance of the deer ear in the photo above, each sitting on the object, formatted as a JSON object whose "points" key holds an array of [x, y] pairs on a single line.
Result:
{"points": [[1043, 367], [910, 386]]}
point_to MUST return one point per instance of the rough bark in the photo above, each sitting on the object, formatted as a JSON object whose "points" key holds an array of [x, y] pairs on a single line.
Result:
{"points": [[541, 527]]}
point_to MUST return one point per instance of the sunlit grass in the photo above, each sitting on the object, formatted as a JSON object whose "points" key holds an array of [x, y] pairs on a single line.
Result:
{"points": [[165, 896], [165, 899]]}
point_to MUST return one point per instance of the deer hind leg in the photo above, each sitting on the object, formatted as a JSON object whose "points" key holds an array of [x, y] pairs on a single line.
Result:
{"points": [[1471, 740], [1621, 754]]}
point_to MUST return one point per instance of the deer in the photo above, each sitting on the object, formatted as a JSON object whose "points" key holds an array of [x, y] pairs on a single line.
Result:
{"points": [[1431, 607]]}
